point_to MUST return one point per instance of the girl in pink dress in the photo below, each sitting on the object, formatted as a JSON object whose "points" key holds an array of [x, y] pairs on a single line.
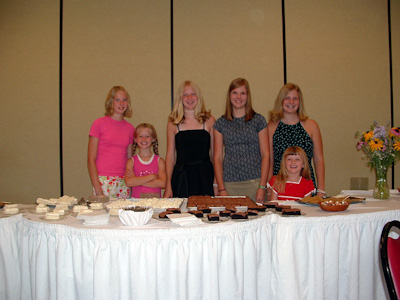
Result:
{"points": [[145, 171], [293, 182]]}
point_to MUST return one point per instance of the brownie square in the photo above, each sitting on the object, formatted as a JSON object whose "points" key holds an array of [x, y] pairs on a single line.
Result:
{"points": [[252, 212], [281, 207], [213, 217], [164, 214], [225, 213], [205, 210], [270, 204], [291, 211], [174, 210], [197, 213], [239, 215]]}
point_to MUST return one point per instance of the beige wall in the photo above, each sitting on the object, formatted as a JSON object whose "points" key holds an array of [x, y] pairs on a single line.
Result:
{"points": [[130, 47], [29, 131], [337, 52], [224, 40], [340, 60]]}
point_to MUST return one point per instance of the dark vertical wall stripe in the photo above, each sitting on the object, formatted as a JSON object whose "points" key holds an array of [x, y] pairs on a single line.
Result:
{"points": [[391, 77], [284, 42], [60, 102], [172, 53]]}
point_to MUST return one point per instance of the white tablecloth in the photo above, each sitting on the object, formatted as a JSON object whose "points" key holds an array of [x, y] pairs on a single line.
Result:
{"points": [[317, 256]]}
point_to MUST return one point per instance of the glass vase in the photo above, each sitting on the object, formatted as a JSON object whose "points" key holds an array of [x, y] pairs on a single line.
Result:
{"points": [[381, 189]]}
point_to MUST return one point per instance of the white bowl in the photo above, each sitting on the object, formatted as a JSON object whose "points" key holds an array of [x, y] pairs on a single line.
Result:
{"points": [[135, 218]]}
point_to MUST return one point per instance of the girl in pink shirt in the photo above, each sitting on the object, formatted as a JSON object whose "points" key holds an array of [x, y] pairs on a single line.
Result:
{"points": [[110, 146], [293, 182], [145, 171]]}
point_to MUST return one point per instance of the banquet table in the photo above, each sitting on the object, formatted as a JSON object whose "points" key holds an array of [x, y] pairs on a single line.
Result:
{"points": [[319, 255]]}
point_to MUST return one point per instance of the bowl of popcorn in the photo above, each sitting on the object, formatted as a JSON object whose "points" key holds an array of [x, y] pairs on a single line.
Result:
{"points": [[332, 205], [135, 215]]}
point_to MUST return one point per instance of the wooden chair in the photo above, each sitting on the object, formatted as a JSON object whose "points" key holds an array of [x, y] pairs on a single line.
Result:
{"points": [[390, 259]]}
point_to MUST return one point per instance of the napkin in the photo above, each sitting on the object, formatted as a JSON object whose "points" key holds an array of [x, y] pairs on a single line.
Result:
{"points": [[184, 219], [95, 218]]}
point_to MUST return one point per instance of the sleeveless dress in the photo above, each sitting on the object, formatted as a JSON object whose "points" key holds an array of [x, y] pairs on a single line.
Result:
{"points": [[291, 135], [143, 168], [193, 172]]}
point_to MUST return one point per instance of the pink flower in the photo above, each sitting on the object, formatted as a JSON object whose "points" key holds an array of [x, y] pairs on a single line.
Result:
{"points": [[395, 131], [360, 145]]}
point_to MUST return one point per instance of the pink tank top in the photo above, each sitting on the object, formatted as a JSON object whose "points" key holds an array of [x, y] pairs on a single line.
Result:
{"points": [[143, 168]]}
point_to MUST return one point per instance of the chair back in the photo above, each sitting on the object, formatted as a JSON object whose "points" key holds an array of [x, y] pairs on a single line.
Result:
{"points": [[390, 258]]}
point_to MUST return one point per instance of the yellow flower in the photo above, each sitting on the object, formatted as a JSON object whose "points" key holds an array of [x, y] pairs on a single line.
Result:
{"points": [[396, 146], [376, 144], [368, 135]]}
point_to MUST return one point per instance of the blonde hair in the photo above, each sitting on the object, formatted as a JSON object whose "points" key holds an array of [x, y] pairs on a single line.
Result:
{"points": [[282, 176], [110, 98], [177, 114], [153, 135], [236, 83], [276, 114]]}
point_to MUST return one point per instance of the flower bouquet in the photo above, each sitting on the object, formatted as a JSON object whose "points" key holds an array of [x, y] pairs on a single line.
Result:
{"points": [[381, 148]]}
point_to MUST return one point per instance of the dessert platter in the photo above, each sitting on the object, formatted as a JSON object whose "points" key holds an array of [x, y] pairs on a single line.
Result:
{"points": [[158, 204]]}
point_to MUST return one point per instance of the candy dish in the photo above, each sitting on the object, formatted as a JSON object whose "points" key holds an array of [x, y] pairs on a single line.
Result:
{"points": [[135, 216], [334, 206]]}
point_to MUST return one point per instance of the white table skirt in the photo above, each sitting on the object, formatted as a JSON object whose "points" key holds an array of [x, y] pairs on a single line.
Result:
{"points": [[273, 257]]}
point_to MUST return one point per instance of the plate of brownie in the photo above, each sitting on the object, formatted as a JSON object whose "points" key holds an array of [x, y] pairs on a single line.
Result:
{"points": [[240, 216], [214, 218]]}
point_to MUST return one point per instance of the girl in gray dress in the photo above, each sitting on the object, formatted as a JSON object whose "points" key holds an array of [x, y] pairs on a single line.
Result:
{"points": [[241, 151]]}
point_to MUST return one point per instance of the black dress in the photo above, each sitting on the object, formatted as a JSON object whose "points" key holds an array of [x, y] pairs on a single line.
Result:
{"points": [[193, 172]]}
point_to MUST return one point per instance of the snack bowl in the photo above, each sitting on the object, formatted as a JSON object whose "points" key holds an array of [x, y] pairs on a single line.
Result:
{"points": [[135, 215], [333, 205]]}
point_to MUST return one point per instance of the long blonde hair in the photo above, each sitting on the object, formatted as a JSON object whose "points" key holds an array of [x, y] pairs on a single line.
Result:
{"points": [[177, 114], [238, 82], [282, 176], [276, 114], [110, 98], [153, 135]]}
